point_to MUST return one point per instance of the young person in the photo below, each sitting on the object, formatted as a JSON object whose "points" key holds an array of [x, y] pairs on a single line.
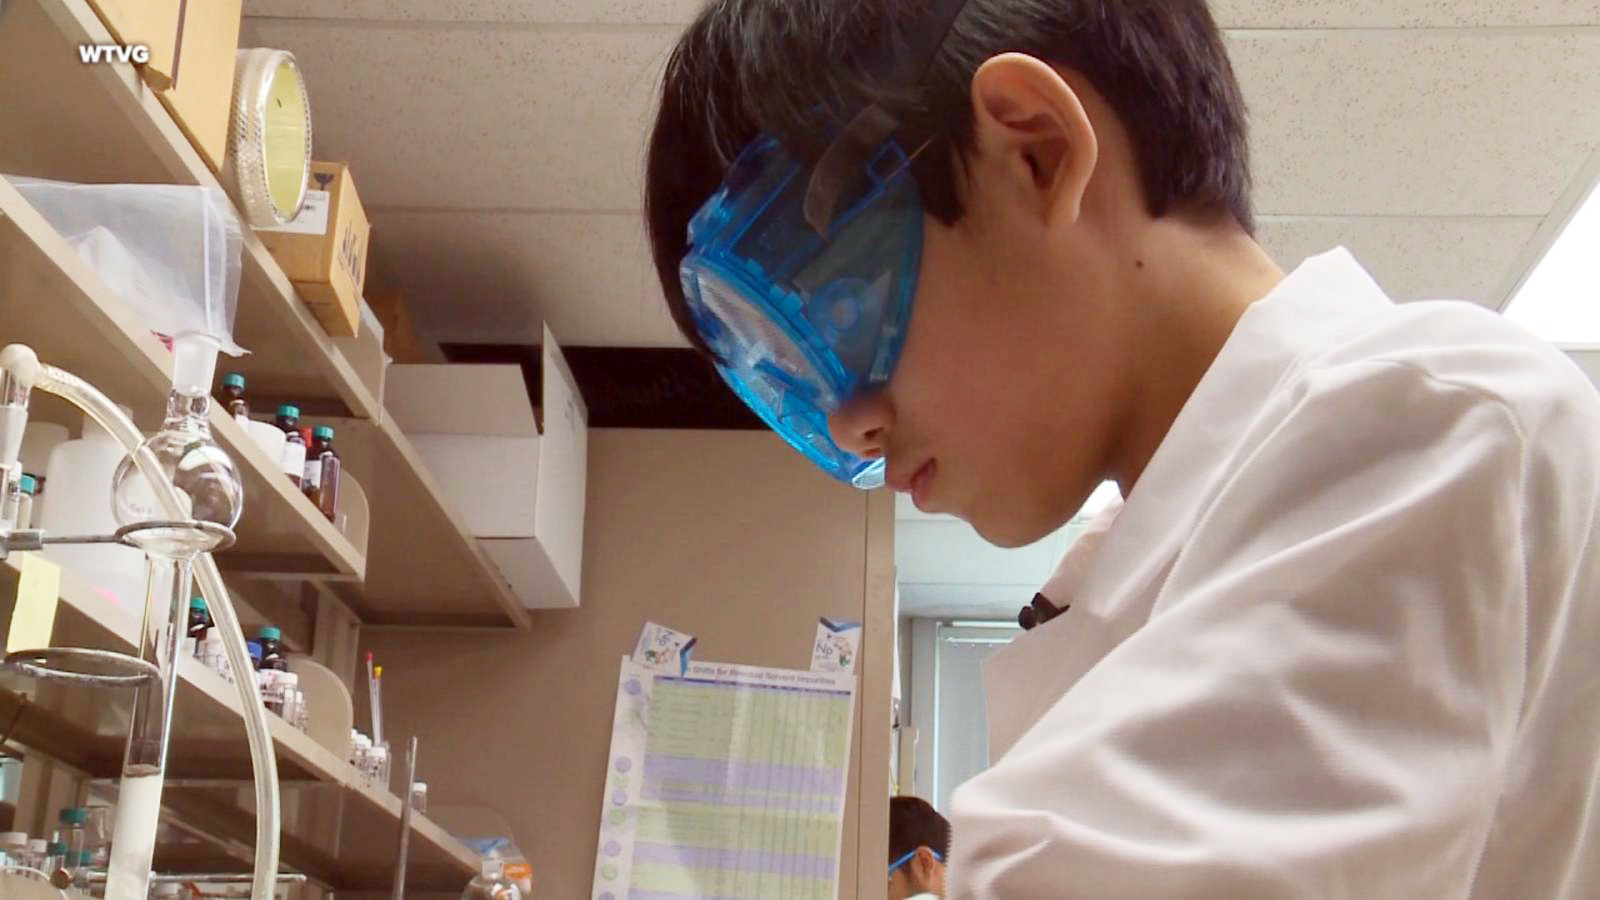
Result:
{"points": [[993, 252], [919, 841]]}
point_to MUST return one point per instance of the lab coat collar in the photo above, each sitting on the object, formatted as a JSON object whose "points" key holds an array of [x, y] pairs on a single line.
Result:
{"points": [[1022, 681], [1323, 295]]}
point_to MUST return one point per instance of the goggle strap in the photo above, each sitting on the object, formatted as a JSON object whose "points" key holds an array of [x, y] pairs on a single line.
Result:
{"points": [[841, 164]]}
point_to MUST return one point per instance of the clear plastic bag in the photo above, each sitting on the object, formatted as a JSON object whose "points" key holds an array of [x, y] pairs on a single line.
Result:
{"points": [[171, 252]]}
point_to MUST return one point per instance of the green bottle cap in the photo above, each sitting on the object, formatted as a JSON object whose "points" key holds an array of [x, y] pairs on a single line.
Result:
{"points": [[75, 815], [289, 410], [28, 484], [233, 379], [323, 431], [57, 849], [269, 633], [197, 603]]}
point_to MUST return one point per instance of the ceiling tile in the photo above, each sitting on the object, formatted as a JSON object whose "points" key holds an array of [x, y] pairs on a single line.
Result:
{"points": [[556, 11], [1413, 259], [495, 276], [477, 117], [1418, 123], [1402, 14]]}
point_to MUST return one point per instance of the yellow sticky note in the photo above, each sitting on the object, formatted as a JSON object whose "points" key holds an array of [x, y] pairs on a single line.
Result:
{"points": [[38, 590]]}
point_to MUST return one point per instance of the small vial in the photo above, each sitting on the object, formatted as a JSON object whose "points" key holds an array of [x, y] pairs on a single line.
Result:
{"points": [[55, 858], [419, 796], [13, 848], [233, 398], [293, 462], [288, 696], [29, 487], [212, 654], [199, 624], [38, 853]]}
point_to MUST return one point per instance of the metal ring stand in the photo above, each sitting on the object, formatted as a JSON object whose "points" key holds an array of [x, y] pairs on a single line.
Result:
{"points": [[110, 668], [66, 665]]}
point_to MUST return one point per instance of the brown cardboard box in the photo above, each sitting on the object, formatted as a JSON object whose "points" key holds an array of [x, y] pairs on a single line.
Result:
{"points": [[324, 250], [192, 46]]}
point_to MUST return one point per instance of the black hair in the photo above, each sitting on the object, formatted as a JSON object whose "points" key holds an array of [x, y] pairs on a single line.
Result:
{"points": [[745, 67], [913, 823]]}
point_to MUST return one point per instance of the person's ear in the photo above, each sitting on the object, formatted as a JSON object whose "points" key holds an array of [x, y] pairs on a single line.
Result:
{"points": [[1033, 135], [923, 865]]}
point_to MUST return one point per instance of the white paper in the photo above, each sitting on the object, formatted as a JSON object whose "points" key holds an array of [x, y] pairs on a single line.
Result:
{"points": [[661, 649], [728, 781]]}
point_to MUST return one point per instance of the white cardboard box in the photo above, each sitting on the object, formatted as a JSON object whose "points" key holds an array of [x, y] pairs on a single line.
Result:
{"points": [[520, 490]]}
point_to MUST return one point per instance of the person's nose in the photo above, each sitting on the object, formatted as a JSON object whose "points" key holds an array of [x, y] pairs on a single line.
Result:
{"points": [[861, 426]]}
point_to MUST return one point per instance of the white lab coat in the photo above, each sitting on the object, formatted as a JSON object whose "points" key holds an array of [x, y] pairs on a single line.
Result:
{"points": [[1338, 643]]}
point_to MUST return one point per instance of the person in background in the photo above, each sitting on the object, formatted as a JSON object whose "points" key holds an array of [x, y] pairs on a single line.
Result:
{"points": [[1339, 642], [919, 841]]}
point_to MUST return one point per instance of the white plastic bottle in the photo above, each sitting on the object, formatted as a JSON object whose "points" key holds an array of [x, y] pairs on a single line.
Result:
{"points": [[78, 501], [13, 848]]}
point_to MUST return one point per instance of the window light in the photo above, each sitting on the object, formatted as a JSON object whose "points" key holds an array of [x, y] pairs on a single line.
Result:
{"points": [[1560, 299]]}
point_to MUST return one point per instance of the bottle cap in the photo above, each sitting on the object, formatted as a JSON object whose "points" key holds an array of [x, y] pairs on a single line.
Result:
{"points": [[289, 410], [13, 839], [76, 815], [86, 858], [323, 431], [197, 603], [57, 849], [29, 485], [255, 650], [269, 633], [233, 379]]}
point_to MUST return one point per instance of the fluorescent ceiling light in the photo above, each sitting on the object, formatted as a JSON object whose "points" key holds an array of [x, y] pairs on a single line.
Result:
{"points": [[1560, 299]]}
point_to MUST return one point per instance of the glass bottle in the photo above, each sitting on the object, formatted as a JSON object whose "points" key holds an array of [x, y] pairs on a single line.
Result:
{"points": [[273, 667], [293, 462], [233, 398], [199, 624], [322, 471]]}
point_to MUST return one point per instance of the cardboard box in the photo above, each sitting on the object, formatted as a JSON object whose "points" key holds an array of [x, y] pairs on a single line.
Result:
{"points": [[521, 488], [192, 46], [400, 338], [324, 250]]}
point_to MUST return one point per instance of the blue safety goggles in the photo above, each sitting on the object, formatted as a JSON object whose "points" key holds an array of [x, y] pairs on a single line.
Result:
{"points": [[897, 864], [800, 278]]}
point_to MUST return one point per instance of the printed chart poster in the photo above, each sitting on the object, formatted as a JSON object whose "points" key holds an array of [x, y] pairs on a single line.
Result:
{"points": [[725, 782]]}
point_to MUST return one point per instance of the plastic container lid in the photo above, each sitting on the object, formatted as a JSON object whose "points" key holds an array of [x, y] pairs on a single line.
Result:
{"points": [[289, 410], [57, 849], [323, 431], [29, 485], [76, 815], [233, 379], [13, 839], [197, 603], [269, 633], [255, 651], [86, 858]]}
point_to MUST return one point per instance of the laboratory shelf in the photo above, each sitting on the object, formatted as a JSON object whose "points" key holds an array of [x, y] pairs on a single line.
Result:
{"points": [[338, 831], [51, 301], [424, 569], [100, 123]]}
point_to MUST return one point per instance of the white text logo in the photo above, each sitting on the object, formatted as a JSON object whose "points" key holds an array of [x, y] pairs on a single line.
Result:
{"points": [[97, 53]]}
